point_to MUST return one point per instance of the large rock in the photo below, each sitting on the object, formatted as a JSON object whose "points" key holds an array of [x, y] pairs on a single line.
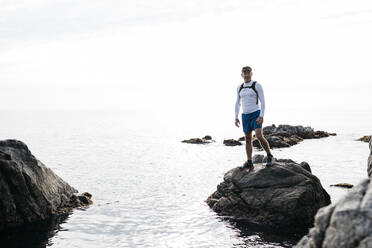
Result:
{"points": [[348, 223], [29, 191], [285, 195], [369, 163], [287, 135], [345, 224]]}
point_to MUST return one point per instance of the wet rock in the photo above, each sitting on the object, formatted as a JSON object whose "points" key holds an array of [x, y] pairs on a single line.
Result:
{"points": [[342, 185], [207, 137], [232, 142], [282, 196], [29, 191], [366, 138], [241, 138]]}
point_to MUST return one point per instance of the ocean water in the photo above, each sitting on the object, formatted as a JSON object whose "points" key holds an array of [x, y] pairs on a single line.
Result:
{"points": [[149, 188], [104, 92]]}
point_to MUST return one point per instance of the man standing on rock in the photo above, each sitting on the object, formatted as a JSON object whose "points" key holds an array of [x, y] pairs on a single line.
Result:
{"points": [[250, 93]]}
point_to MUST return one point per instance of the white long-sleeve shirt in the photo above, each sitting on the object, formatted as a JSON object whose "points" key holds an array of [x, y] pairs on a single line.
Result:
{"points": [[248, 98]]}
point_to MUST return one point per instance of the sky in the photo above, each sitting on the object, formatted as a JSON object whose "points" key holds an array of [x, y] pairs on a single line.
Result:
{"points": [[175, 56]]}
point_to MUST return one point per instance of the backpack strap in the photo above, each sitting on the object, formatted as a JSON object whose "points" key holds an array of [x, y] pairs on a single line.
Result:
{"points": [[253, 87], [241, 87]]}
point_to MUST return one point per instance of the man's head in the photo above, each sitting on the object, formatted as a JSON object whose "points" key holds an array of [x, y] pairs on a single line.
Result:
{"points": [[247, 73]]}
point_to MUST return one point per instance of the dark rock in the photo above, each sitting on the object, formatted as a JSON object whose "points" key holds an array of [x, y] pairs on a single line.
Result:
{"points": [[232, 142], [258, 158], [282, 196], [241, 138], [196, 141], [286, 135], [365, 138], [29, 191], [205, 140], [306, 166], [342, 185]]}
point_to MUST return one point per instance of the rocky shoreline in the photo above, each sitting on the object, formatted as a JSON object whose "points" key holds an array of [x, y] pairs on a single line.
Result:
{"points": [[30, 191], [347, 223]]}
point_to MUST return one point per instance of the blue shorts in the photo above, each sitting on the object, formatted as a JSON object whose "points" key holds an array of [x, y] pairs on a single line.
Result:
{"points": [[250, 121]]}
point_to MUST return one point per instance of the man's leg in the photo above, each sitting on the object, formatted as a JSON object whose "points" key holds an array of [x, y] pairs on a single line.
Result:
{"points": [[264, 144], [248, 145]]}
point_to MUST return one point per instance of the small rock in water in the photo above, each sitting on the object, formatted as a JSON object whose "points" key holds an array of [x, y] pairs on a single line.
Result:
{"points": [[195, 141], [342, 185], [366, 138], [232, 142]]}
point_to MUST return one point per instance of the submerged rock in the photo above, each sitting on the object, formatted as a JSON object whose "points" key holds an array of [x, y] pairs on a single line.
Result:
{"points": [[348, 223], [285, 195], [29, 191]]}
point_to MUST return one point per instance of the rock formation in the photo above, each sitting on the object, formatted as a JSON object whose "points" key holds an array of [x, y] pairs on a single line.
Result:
{"points": [[285, 195], [287, 135], [29, 191], [348, 223]]}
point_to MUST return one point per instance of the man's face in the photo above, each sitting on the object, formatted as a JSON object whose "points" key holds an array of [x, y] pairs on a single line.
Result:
{"points": [[246, 74]]}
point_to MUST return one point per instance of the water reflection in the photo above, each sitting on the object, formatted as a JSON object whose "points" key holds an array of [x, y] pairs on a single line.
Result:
{"points": [[256, 236], [36, 235]]}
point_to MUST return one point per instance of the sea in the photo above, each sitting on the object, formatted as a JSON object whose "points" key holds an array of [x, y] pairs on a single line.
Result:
{"points": [[149, 188], [103, 93]]}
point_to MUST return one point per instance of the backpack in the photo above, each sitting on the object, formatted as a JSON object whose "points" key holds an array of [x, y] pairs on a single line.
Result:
{"points": [[253, 87]]}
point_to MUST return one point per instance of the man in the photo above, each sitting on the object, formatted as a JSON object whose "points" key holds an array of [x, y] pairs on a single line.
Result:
{"points": [[252, 117]]}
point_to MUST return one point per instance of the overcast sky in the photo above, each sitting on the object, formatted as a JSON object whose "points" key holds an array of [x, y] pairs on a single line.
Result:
{"points": [[183, 54]]}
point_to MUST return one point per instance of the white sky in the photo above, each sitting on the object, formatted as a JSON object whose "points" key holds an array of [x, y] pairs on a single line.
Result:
{"points": [[183, 55]]}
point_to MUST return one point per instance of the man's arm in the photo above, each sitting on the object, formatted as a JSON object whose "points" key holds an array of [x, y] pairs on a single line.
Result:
{"points": [[237, 107], [261, 97]]}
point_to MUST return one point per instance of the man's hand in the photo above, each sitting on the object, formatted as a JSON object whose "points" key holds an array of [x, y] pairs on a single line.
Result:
{"points": [[260, 120], [237, 122]]}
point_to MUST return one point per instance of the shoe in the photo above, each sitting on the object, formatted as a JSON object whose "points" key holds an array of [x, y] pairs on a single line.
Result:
{"points": [[247, 165], [270, 160]]}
